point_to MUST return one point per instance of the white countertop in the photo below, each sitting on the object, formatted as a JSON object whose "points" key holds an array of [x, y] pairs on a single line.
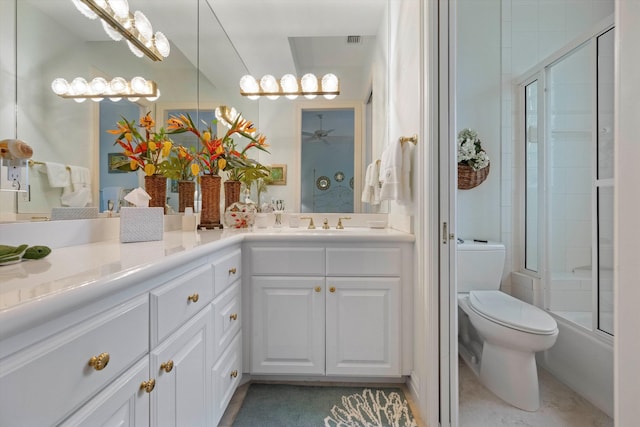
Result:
{"points": [[72, 275]]}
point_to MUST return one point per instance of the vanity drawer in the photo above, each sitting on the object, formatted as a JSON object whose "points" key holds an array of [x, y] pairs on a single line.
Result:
{"points": [[44, 383], [227, 318], [290, 261], [175, 302], [364, 261], [227, 269], [227, 373]]}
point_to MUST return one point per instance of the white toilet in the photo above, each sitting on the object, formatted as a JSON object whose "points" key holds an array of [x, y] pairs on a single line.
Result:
{"points": [[499, 335]]}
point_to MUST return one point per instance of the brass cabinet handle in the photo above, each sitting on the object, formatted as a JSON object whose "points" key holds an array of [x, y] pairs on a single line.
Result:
{"points": [[167, 366], [332, 289], [232, 270], [99, 362], [318, 289], [233, 316], [234, 373], [193, 298], [148, 386]]}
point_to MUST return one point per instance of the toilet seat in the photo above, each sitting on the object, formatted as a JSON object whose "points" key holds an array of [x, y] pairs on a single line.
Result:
{"points": [[508, 311]]}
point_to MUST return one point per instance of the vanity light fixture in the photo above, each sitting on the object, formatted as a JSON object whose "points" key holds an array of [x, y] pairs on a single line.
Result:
{"points": [[99, 88], [289, 86], [118, 22]]}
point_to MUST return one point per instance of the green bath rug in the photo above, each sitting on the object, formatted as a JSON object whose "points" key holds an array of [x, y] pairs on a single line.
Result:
{"points": [[280, 405]]}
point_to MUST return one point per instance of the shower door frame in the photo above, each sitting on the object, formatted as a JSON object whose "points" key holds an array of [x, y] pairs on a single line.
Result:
{"points": [[541, 73]]}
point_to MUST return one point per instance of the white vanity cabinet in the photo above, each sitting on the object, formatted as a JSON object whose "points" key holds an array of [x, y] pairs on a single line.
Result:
{"points": [[329, 309]]}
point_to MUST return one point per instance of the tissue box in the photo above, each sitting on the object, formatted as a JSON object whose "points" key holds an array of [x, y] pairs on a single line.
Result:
{"points": [[141, 224], [73, 213]]}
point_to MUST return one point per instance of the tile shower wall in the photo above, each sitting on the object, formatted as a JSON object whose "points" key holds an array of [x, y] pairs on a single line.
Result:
{"points": [[531, 31]]}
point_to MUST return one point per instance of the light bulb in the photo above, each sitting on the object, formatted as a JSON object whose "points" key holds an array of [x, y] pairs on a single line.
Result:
{"points": [[289, 84], [60, 86], [120, 8], [309, 83], [269, 84], [139, 85], [99, 85], [118, 85], [330, 84], [116, 99], [137, 52], [97, 99], [249, 84], [134, 99], [79, 86], [79, 100], [143, 25], [113, 34], [84, 9], [162, 44]]}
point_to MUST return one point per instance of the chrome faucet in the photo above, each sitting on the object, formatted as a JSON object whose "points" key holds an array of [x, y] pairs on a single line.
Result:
{"points": [[325, 224]]}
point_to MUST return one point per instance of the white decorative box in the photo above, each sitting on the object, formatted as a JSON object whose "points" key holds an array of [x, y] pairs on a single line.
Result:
{"points": [[73, 213], [141, 224]]}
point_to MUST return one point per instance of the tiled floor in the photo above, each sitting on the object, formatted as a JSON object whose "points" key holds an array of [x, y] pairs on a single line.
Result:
{"points": [[560, 406]]}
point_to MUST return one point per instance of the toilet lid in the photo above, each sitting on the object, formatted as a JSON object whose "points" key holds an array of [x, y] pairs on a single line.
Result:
{"points": [[511, 312]]}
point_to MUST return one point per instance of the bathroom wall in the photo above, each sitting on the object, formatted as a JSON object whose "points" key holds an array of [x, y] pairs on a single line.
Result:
{"points": [[7, 96]]}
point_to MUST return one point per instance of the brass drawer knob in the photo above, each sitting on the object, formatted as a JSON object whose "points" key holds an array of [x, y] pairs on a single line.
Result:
{"points": [[318, 289], [234, 373], [148, 386], [193, 298], [234, 316], [167, 366], [332, 289], [232, 270], [99, 362]]}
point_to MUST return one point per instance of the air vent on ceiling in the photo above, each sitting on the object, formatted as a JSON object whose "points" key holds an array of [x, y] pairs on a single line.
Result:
{"points": [[353, 39]]}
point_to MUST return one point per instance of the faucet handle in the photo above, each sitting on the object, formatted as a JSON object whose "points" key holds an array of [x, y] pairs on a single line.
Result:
{"points": [[340, 226], [311, 226], [325, 224]]}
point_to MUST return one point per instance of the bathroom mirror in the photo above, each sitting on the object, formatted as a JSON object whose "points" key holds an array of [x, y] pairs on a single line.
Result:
{"points": [[54, 40]]}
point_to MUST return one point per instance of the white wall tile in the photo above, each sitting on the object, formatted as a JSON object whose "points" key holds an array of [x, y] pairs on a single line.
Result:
{"points": [[506, 10], [524, 15], [551, 15], [524, 45], [579, 234]]}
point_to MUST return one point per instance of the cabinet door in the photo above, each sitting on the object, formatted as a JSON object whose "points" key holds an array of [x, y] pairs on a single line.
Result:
{"points": [[123, 403], [182, 395], [363, 326], [287, 325]]}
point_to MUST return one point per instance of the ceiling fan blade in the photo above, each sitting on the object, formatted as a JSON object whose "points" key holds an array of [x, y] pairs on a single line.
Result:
{"points": [[308, 133], [328, 131]]}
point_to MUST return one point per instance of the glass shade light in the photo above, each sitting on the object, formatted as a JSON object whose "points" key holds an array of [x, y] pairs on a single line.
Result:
{"points": [[115, 36], [248, 84], [84, 9], [118, 85], [79, 86], [227, 116], [120, 8], [154, 98], [134, 99], [99, 85], [137, 52], [139, 85], [60, 86], [330, 84], [309, 83], [143, 25], [162, 44], [289, 85], [269, 84]]}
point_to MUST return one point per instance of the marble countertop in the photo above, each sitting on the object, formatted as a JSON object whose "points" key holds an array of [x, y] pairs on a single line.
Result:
{"points": [[70, 275]]}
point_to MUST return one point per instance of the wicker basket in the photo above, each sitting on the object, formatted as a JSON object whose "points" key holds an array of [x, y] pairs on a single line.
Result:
{"points": [[186, 194], [231, 193], [156, 187], [210, 189], [469, 178]]}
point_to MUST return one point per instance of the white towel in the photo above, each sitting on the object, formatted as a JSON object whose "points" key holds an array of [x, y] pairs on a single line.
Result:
{"points": [[371, 189], [58, 175], [80, 182], [391, 172], [76, 199]]}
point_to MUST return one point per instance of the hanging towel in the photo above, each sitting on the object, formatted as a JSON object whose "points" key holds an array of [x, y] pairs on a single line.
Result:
{"points": [[407, 159], [58, 174], [371, 190], [76, 199], [80, 181], [391, 172]]}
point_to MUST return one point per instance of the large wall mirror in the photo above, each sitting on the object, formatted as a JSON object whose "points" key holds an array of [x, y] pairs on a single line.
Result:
{"points": [[212, 46]]}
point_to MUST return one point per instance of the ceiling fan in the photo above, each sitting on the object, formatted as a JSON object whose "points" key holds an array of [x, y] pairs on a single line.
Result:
{"points": [[318, 134]]}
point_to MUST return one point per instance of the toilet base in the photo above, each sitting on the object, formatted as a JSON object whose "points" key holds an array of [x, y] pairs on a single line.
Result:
{"points": [[511, 375]]}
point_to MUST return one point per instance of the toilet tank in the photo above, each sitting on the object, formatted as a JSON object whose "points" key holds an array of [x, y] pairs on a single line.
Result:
{"points": [[479, 265]]}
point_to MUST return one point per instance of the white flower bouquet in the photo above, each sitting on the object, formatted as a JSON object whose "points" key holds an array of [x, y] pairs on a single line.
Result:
{"points": [[470, 150]]}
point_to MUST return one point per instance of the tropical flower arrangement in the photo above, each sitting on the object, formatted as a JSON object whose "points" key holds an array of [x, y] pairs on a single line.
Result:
{"points": [[145, 148], [182, 164], [470, 151], [222, 154]]}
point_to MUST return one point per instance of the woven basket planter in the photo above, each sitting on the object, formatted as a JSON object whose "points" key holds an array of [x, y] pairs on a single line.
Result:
{"points": [[210, 189], [231, 193], [469, 178], [186, 194], [156, 187]]}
